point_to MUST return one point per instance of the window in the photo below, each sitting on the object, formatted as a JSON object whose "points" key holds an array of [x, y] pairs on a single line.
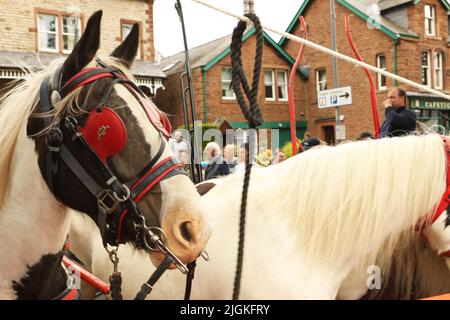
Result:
{"points": [[227, 90], [71, 31], [126, 28], [321, 79], [381, 79], [426, 68], [430, 20], [47, 33], [55, 27], [282, 85], [269, 85], [437, 61]]}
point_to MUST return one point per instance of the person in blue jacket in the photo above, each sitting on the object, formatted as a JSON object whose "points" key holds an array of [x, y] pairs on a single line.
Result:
{"points": [[399, 120], [216, 165]]}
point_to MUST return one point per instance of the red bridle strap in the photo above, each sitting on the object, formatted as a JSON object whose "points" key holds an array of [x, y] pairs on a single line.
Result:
{"points": [[160, 171], [445, 200]]}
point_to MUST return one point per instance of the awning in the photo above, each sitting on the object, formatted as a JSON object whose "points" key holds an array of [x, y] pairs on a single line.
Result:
{"points": [[13, 64], [427, 101]]}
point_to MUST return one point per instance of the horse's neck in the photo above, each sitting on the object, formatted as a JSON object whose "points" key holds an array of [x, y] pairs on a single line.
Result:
{"points": [[32, 223]]}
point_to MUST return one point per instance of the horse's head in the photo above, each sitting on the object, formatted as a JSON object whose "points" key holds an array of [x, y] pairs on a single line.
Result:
{"points": [[102, 150]]}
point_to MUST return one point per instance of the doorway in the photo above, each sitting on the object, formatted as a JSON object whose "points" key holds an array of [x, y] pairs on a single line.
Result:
{"points": [[328, 134]]}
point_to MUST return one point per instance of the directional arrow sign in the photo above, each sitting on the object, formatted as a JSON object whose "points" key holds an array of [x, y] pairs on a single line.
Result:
{"points": [[334, 97]]}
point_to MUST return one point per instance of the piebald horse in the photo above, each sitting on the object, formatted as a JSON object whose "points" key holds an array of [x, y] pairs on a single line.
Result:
{"points": [[315, 223], [80, 134]]}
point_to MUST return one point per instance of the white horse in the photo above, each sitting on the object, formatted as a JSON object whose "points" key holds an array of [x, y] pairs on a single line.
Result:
{"points": [[310, 221], [68, 135], [413, 271]]}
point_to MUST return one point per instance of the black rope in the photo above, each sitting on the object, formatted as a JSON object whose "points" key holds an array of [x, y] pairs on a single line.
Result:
{"points": [[252, 113]]}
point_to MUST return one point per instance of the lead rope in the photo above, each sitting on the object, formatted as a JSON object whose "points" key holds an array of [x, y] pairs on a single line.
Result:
{"points": [[252, 114], [115, 279]]}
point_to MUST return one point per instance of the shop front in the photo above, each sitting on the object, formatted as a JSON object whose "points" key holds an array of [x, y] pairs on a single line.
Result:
{"points": [[431, 110]]}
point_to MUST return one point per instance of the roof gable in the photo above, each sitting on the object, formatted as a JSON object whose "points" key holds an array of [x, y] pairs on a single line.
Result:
{"points": [[360, 9], [209, 54]]}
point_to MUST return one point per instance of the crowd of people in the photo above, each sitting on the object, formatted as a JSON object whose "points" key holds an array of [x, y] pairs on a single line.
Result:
{"points": [[399, 120], [217, 162]]}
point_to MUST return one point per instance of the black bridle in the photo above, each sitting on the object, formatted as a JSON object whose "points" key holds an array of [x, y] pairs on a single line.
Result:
{"points": [[114, 199]]}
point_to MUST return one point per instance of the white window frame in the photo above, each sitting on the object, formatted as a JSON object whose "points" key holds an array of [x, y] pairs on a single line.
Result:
{"points": [[227, 83], [438, 70], [380, 77], [56, 33], [69, 34], [430, 20], [283, 86], [126, 31], [427, 67], [319, 82], [271, 84]]}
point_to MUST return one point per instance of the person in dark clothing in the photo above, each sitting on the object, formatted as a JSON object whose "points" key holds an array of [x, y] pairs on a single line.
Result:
{"points": [[310, 142], [399, 120], [365, 135], [216, 165]]}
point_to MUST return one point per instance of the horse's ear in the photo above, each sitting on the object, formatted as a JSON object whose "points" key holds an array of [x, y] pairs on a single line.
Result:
{"points": [[127, 50], [85, 49]]}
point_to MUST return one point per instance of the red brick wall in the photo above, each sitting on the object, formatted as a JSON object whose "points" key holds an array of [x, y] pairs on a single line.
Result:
{"points": [[169, 100], [370, 43], [409, 57]]}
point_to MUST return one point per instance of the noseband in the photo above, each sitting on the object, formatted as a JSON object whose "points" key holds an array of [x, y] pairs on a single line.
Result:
{"points": [[103, 135]]}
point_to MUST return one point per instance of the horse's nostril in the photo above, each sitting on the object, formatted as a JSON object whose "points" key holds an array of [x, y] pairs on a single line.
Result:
{"points": [[185, 230]]}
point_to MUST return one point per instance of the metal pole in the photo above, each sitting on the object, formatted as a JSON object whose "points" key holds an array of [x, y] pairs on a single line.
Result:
{"points": [[335, 63], [188, 71]]}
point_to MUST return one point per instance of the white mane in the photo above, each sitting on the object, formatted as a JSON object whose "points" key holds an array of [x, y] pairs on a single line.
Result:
{"points": [[380, 186]]}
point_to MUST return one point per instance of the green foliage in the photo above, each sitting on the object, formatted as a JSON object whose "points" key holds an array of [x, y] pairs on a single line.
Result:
{"points": [[287, 149]]}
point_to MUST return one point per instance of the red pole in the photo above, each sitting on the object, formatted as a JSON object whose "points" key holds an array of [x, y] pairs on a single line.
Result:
{"points": [[373, 97], [294, 139], [86, 276]]}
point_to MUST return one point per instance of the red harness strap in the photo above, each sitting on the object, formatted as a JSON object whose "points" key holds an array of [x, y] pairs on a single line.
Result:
{"points": [[72, 295], [445, 200]]}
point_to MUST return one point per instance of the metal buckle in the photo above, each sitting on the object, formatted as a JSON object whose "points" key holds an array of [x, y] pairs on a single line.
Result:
{"points": [[107, 196], [125, 197], [54, 139]]}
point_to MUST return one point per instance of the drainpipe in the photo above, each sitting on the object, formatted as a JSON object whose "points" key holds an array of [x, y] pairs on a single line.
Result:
{"points": [[396, 43], [205, 108]]}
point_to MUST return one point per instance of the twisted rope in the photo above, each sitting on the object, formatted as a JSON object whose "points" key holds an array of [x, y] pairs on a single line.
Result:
{"points": [[252, 113]]}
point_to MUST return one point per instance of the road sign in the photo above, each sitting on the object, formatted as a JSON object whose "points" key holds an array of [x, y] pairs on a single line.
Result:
{"points": [[334, 97]]}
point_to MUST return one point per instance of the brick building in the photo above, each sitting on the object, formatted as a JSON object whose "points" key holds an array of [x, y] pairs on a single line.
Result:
{"points": [[214, 98], [410, 38], [36, 32]]}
